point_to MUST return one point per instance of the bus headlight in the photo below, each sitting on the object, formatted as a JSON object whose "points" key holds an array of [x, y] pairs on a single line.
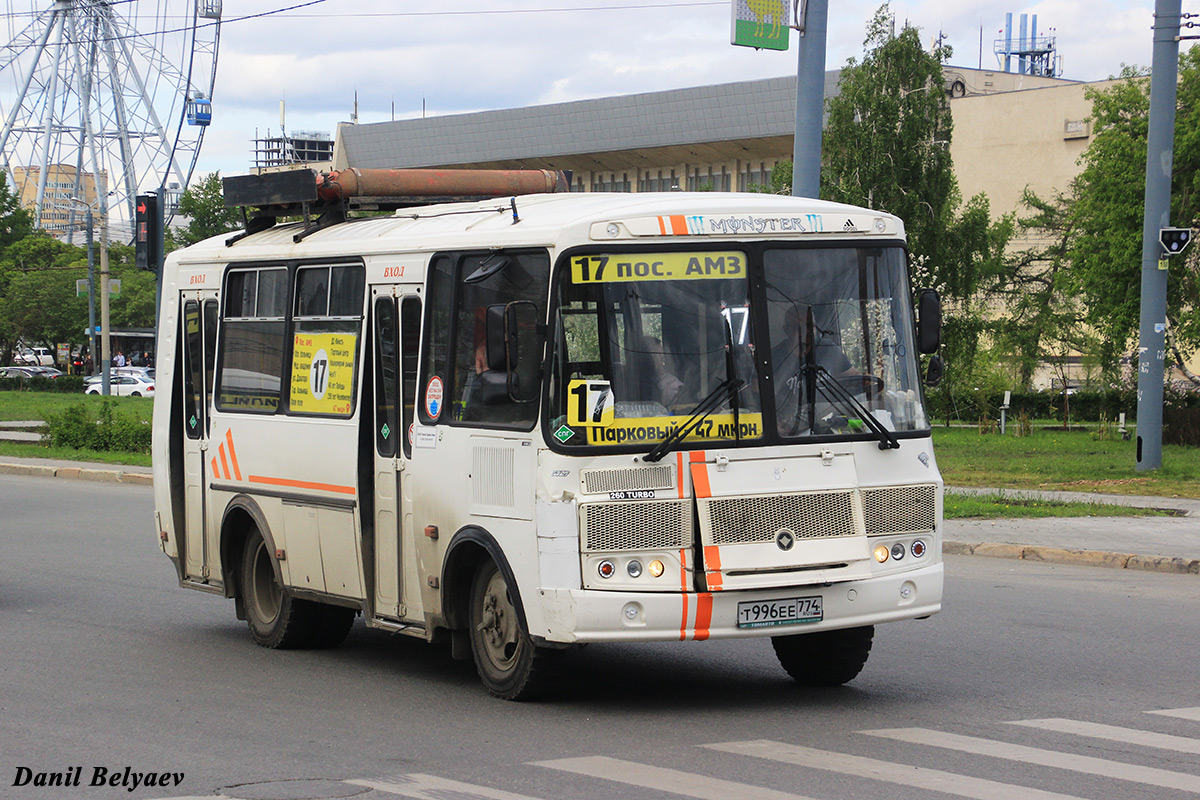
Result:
{"points": [[634, 568], [897, 551]]}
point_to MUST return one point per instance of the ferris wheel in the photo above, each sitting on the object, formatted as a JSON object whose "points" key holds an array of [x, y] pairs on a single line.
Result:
{"points": [[102, 100]]}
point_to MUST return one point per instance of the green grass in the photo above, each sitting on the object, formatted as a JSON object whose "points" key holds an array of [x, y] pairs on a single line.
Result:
{"points": [[1062, 461], [22, 406], [994, 506], [36, 405]]}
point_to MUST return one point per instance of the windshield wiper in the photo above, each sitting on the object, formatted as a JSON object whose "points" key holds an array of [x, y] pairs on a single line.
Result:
{"points": [[725, 390], [828, 385]]}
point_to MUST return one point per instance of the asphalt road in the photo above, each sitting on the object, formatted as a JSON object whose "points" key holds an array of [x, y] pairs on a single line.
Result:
{"points": [[106, 663]]}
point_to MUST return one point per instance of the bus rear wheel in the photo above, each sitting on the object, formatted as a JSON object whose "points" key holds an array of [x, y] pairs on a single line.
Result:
{"points": [[825, 658], [510, 666], [276, 619]]}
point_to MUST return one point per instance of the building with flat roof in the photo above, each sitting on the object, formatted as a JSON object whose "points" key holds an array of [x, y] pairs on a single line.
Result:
{"points": [[1010, 130]]}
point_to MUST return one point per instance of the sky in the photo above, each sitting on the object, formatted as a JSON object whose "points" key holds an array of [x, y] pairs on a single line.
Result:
{"points": [[403, 58]]}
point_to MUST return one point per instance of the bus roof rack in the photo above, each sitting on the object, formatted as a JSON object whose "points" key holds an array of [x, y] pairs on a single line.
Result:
{"points": [[324, 199]]}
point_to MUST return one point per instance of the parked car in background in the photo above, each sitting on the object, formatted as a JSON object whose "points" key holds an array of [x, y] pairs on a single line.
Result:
{"points": [[37, 356], [29, 372], [138, 372], [124, 386]]}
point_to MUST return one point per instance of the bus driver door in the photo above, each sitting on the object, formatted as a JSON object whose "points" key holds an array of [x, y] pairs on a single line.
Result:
{"points": [[396, 324], [199, 353]]}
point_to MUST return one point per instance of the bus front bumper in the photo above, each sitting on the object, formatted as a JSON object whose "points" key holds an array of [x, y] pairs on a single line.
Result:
{"points": [[576, 615]]}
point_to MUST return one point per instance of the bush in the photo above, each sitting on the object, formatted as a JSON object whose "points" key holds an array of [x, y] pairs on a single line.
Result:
{"points": [[1086, 405], [75, 428]]}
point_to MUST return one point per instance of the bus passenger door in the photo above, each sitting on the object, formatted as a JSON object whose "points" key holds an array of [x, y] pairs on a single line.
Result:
{"points": [[396, 325], [199, 333]]}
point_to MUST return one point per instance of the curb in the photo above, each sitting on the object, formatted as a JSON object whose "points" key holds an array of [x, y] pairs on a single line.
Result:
{"points": [[78, 473], [1083, 558]]}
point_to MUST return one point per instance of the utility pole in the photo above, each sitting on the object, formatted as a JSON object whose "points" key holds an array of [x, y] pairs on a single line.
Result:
{"points": [[1161, 144], [91, 256], [810, 98], [105, 342]]}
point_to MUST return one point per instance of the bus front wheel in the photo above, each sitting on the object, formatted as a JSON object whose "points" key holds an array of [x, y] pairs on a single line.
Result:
{"points": [[509, 664], [825, 658], [276, 619]]}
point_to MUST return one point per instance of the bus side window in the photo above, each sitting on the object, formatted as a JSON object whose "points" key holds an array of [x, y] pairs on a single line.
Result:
{"points": [[385, 378], [410, 340], [193, 408], [483, 391], [325, 331], [252, 346]]}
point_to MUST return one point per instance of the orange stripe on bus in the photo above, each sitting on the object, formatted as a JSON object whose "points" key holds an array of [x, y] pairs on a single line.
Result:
{"points": [[712, 565], [700, 480], [678, 225], [662, 225], [704, 604], [216, 471], [237, 473], [323, 487], [224, 463]]}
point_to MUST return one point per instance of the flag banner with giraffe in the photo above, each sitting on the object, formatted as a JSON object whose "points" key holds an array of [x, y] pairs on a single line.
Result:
{"points": [[760, 23]]}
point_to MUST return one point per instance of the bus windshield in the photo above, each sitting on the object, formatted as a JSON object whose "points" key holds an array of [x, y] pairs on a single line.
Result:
{"points": [[640, 341]]}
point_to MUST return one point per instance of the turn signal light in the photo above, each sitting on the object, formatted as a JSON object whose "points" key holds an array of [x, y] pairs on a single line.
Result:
{"points": [[655, 568], [882, 553]]}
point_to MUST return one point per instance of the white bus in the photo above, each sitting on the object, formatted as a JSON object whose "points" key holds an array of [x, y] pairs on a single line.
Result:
{"points": [[529, 423]]}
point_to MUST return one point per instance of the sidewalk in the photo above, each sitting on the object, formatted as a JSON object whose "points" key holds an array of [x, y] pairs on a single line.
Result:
{"points": [[1158, 544]]}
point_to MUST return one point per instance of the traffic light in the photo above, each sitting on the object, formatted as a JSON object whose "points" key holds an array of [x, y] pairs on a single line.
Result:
{"points": [[147, 233], [1175, 240]]}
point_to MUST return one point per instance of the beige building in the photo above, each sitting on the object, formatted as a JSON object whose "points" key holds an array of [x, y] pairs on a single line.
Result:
{"points": [[59, 216]]}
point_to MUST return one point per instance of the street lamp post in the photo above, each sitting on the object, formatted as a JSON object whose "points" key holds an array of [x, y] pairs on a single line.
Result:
{"points": [[105, 358]]}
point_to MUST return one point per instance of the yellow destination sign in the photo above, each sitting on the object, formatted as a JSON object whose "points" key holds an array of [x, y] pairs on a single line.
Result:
{"points": [[625, 267], [648, 430], [323, 373]]}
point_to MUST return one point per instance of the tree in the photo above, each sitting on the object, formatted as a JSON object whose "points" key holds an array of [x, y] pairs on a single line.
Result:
{"points": [[204, 205], [1107, 254], [15, 225], [1043, 315], [39, 304], [887, 146]]}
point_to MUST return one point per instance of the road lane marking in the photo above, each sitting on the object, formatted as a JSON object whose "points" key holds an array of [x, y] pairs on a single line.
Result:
{"points": [[1163, 741], [1182, 713], [431, 787], [903, 774], [663, 779], [1048, 758]]}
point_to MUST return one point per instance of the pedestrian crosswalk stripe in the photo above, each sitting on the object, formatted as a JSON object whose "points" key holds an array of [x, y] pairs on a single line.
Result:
{"points": [[1048, 758], [431, 787], [1182, 713], [1163, 741], [903, 774], [664, 779]]}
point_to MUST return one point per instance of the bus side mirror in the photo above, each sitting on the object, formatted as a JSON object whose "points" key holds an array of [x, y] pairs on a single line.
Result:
{"points": [[933, 375], [929, 322], [503, 353], [501, 335]]}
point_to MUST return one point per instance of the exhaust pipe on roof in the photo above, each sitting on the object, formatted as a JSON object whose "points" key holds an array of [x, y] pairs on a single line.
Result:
{"points": [[439, 183]]}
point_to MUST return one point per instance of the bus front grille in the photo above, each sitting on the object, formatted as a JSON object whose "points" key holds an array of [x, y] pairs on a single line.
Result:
{"points": [[634, 525], [755, 519], [900, 509], [627, 479]]}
